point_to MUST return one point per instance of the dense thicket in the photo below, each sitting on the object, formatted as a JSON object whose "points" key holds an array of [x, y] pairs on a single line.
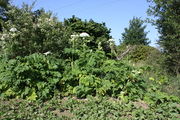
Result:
{"points": [[43, 59]]}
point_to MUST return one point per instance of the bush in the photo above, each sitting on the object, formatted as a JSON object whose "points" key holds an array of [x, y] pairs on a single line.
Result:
{"points": [[40, 77], [138, 53], [32, 77], [94, 74], [27, 32], [142, 53]]}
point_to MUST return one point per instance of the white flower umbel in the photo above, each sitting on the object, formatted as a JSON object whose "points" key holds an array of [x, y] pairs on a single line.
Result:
{"points": [[99, 46], [74, 36], [111, 40], [84, 34], [13, 30], [47, 53]]}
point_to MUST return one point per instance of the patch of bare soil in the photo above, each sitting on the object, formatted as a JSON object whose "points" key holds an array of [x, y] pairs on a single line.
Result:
{"points": [[141, 104], [65, 113]]}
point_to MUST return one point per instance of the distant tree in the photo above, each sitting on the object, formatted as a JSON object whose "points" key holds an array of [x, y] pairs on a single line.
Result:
{"points": [[135, 34], [3, 8], [99, 31], [167, 13]]}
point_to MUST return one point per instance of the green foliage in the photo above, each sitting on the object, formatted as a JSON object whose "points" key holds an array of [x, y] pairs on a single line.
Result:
{"points": [[27, 32], [139, 53], [32, 77], [99, 31], [143, 53], [3, 8], [135, 34], [94, 74], [172, 87], [91, 27], [87, 72], [84, 70], [92, 108], [167, 22]]}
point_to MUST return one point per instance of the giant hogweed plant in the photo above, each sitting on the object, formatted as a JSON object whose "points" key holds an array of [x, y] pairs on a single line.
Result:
{"points": [[84, 72], [32, 77], [92, 73]]}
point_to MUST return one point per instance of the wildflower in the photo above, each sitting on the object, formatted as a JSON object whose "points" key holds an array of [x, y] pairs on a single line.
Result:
{"points": [[74, 36], [111, 40], [13, 30], [84, 34], [99, 46], [47, 53], [50, 20], [111, 43], [26, 24]]}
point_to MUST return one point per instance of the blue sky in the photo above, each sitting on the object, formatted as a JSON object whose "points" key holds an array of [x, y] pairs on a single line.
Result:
{"points": [[115, 13]]}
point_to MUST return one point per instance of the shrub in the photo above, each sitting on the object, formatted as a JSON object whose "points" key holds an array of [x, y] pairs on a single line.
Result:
{"points": [[141, 53], [27, 32], [32, 77], [94, 74]]}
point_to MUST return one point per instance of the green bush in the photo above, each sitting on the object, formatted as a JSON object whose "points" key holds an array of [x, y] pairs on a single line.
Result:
{"points": [[32, 77], [27, 32], [141, 53], [40, 77], [94, 74]]}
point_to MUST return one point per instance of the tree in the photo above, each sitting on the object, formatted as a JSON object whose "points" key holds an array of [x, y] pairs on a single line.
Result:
{"points": [[135, 34], [167, 13], [3, 8], [99, 31], [27, 32]]}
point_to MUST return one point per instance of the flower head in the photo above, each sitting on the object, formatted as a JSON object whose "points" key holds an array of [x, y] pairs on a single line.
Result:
{"points": [[111, 40], [84, 34], [13, 30], [74, 36], [47, 53]]}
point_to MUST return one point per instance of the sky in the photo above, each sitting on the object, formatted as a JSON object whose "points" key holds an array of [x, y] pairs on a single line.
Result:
{"points": [[115, 13]]}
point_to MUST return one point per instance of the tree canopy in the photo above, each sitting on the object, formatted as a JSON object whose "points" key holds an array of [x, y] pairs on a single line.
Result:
{"points": [[3, 8], [167, 13], [135, 34], [98, 31], [27, 32]]}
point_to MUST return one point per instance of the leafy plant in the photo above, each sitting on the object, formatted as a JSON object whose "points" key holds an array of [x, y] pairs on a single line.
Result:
{"points": [[26, 32], [33, 77]]}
